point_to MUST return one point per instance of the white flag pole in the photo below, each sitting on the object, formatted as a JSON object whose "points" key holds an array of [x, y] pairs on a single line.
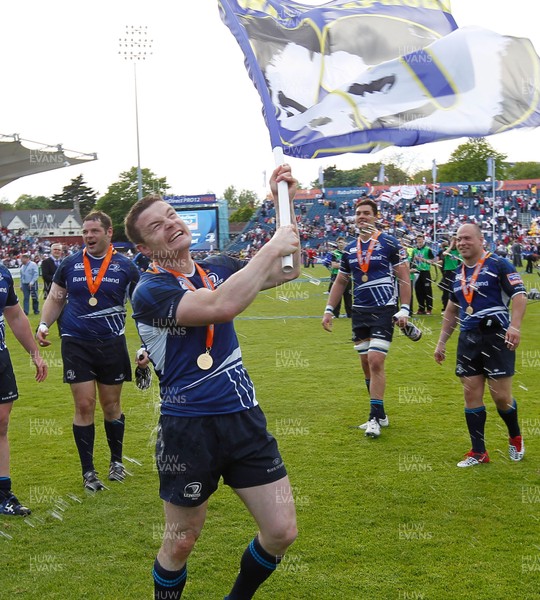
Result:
{"points": [[283, 209]]}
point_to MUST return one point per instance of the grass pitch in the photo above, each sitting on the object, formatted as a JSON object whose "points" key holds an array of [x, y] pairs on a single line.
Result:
{"points": [[389, 519]]}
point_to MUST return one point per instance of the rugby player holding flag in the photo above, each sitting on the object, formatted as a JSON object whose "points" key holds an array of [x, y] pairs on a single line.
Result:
{"points": [[211, 425]]}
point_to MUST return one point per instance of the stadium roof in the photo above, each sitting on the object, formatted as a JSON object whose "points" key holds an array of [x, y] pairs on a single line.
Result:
{"points": [[18, 160]]}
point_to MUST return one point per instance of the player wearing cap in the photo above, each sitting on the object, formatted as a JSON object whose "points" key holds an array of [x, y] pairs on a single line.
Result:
{"points": [[484, 286]]}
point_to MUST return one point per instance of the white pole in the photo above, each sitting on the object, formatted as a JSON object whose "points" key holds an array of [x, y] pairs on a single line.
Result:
{"points": [[283, 208], [136, 47], [139, 171]]}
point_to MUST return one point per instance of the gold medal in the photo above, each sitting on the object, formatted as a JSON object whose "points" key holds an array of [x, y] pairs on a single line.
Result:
{"points": [[363, 262], [93, 284], [468, 290], [205, 361]]}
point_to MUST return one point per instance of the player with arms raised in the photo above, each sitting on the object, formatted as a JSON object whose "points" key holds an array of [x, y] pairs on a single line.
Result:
{"points": [[211, 425]]}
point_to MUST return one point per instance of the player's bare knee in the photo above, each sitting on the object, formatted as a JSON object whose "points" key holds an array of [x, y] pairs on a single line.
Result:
{"points": [[291, 535], [376, 361], [281, 537], [112, 411], [85, 407], [179, 544]]}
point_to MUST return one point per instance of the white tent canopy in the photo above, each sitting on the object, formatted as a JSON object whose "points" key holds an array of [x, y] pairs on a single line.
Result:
{"points": [[18, 160]]}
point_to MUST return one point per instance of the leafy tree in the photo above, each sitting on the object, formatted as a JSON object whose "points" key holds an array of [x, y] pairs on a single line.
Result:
{"points": [[362, 175], [237, 200], [522, 170], [28, 202], [468, 162], [75, 195], [242, 215], [122, 195], [231, 196]]}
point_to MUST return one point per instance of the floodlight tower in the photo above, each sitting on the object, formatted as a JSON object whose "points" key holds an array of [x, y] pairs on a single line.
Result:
{"points": [[136, 46]]}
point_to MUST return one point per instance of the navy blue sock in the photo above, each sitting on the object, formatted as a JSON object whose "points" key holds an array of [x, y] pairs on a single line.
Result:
{"points": [[510, 417], [368, 382], [376, 409], [168, 585], [114, 430], [84, 439], [476, 423], [5, 487], [255, 567]]}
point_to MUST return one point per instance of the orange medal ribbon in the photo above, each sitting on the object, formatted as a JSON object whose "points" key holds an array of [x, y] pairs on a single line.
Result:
{"points": [[205, 360], [93, 284], [364, 262], [468, 289]]}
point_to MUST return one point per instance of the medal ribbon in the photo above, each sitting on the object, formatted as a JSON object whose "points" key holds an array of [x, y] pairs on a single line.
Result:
{"points": [[468, 290], [93, 284], [364, 263], [207, 284]]}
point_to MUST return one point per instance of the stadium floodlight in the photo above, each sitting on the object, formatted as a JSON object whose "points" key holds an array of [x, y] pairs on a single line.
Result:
{"points": [[136, 46]]}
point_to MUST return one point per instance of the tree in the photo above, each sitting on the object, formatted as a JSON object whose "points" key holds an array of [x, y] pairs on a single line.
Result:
{"points": [[122, 195], [468, 162], [522, 170], [75, 195], [28, 202], [362, 175], [235, 200], [242, 215]]}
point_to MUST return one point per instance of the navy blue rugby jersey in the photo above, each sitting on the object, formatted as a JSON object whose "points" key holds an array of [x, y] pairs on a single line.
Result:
{"points": [[381, 287], [185, 389], [107, 319], [497, 283], [8, 297]]}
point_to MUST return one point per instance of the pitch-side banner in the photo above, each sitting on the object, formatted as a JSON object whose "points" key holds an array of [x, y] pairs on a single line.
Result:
{"points": [[356, 76]]}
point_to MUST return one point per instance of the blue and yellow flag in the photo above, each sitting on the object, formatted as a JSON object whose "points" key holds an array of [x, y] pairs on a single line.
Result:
{"points": [[360, 75]]}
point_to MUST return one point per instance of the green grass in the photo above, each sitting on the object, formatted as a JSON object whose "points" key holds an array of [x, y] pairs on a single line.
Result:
{"points": [[391, 518]]}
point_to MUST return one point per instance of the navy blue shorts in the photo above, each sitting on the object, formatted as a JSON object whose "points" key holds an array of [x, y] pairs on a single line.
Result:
{"points": [[8, 384], [192, 453], [484, 353], [105, 361], [373, 323]]}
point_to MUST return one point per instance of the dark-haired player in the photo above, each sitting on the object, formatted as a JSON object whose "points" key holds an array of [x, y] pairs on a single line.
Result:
{"points": [[375, 262], [89, 291]]}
